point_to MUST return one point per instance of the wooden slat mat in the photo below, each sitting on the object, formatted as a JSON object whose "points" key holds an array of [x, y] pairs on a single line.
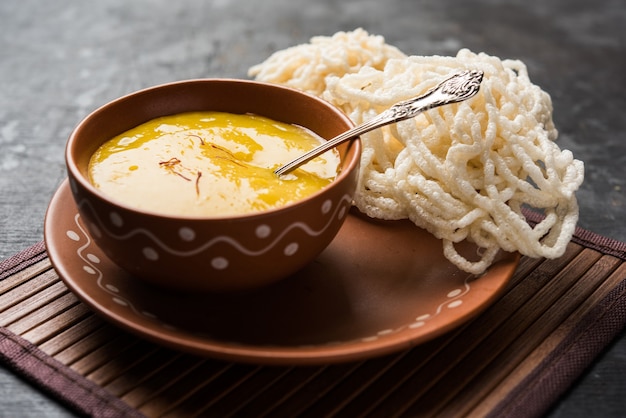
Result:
{"points": [[515, 359]]}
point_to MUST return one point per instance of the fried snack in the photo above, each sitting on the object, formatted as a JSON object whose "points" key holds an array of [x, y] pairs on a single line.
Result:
{"points": [[462, 171], [306, 66]]}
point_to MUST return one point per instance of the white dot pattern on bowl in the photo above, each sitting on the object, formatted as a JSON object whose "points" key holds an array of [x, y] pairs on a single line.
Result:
{"points": [[150, 253], [219, 263], [327, 206], [291, 249], [95, 230], [341, 213], [123, 232], [263, 231], [187, 234], [116, 219]]}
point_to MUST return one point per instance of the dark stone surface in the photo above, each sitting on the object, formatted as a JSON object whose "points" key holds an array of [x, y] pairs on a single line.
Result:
{"points": [[61, 59]]}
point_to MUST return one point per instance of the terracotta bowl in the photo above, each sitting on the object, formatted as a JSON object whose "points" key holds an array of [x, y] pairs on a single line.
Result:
{"points": [[212, 254]]}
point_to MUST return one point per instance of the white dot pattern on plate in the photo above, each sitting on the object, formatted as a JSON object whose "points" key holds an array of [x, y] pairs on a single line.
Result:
{"points": [[72, 235], [455, 304], [453, 301], [453, 297], [91, 261]]}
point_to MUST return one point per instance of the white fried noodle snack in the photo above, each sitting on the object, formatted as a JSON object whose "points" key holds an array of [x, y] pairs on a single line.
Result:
{"points": [[306, 66], [462, 171]]}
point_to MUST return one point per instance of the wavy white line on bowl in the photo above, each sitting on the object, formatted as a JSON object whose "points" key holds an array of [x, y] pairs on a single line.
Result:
{"points": [[232, 241]]}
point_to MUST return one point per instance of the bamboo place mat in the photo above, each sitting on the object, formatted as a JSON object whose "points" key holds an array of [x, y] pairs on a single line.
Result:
{"points": [[515, 359]]}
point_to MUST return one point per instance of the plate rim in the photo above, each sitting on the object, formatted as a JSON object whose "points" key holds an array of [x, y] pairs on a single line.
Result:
{"points": [[331, 352]]}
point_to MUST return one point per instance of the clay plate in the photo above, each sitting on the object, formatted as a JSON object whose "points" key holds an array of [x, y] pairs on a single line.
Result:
{"points": [[379, 287]]}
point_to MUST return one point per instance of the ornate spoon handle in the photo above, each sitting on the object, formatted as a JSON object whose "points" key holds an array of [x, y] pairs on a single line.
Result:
{"points": [[454, 89]]}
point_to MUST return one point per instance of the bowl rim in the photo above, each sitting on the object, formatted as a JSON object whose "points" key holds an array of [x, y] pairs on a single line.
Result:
{"points": [[77, 175]]}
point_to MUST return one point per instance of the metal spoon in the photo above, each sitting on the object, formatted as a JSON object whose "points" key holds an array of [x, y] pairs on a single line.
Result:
{"points": [[459, 87]]}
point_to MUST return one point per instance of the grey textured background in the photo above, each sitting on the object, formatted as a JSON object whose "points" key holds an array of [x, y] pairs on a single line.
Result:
{"points": [[61, 59]]}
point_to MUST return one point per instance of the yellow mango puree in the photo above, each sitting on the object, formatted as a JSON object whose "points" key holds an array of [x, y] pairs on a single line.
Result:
{"points": [[209, 164]]}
